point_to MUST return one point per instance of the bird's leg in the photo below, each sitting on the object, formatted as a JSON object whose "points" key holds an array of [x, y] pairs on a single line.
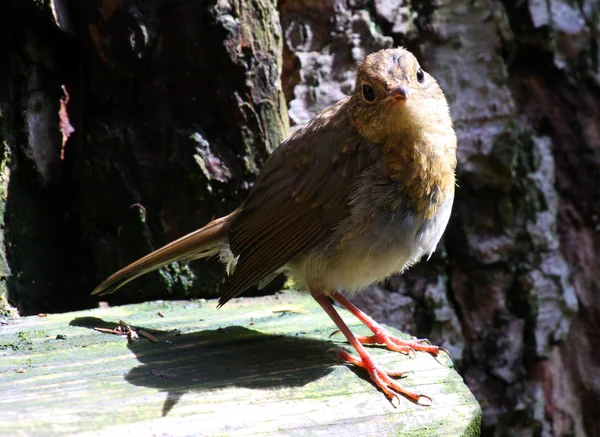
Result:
{"points": [[382, 336], [379, 376]]}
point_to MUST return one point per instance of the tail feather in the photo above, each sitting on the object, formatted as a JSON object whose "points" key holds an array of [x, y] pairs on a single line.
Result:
{"points": [[198, 244]]}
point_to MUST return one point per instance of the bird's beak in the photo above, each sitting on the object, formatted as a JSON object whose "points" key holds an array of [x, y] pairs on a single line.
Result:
{"points": [[399, 94]]}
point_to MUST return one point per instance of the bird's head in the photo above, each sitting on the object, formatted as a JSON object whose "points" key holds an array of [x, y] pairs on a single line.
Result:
{"points": [[395, 97]]}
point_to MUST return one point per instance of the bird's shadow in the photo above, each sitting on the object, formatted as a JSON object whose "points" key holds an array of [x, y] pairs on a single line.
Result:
{"points": [[232, 356]]}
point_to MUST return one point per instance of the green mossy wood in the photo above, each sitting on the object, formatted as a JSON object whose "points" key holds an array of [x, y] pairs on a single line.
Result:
{"points": [[258, 366]]}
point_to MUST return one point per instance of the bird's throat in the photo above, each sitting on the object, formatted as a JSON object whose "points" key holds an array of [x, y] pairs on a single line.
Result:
{"points": [[423, 168]]}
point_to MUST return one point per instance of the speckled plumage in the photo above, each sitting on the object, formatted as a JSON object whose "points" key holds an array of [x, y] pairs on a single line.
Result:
{"points": [[363, 191]]}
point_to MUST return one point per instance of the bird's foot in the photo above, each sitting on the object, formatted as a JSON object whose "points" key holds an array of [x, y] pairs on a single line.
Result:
{"points": [[394, 343], [382, 336], [383, 378]]}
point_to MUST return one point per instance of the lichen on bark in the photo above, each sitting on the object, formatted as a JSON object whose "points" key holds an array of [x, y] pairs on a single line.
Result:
{"points": [[171, 111], [6, 309]]}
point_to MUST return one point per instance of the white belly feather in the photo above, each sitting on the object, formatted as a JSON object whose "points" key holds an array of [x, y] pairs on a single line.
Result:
{"points": [[378, 251]]}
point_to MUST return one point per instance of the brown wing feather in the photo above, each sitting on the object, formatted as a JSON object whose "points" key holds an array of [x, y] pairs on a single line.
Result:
{"points": [[299, 196]]}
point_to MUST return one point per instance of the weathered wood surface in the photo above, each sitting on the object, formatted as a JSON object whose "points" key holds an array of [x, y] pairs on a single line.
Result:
{"points": [[258, 366]]}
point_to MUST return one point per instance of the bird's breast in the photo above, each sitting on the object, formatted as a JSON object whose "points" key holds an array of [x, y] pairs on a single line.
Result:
{"points": [[384, 234]]}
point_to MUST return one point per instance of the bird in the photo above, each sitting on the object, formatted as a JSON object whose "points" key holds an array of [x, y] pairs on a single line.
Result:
{"points": [[361, 192]]}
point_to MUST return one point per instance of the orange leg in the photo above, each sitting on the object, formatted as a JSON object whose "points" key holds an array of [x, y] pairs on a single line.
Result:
{"points": [[379, 376], [382, 336]]}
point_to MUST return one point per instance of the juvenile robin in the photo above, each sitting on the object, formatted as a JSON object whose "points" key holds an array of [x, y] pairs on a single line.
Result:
{"points": [[361, 192]]}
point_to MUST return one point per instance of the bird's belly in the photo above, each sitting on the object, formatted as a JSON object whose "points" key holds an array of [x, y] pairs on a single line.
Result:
{"points": [[359, 269], [360, 254], [357, 260]]}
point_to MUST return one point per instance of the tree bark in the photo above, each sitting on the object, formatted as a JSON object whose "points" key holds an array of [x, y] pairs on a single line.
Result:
{"points": [[519, 263], [167, 111]]}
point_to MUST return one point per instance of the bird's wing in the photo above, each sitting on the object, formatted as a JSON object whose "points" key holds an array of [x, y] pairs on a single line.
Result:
{"points": [[297, 199]]}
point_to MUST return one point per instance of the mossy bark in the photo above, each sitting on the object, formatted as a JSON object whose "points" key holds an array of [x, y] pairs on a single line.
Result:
{"points": [[130, 124], [6, 309]]}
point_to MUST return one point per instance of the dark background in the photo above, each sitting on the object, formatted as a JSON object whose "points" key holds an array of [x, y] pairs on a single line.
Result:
{"points": [[125, 124]]}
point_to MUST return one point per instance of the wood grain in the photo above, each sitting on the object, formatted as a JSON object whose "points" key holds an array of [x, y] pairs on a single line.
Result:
{"points": [[256, 367]]}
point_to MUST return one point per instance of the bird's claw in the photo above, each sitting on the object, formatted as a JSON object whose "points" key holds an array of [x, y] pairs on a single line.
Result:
{"points": [[407, 347], [425, 341], [428, 400], [383, 379], [423, 400]]}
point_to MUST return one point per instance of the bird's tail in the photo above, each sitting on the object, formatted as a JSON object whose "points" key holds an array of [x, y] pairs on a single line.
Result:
{"points": [[204, 242]]}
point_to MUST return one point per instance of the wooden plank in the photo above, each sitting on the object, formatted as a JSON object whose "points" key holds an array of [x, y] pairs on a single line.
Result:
{"points": [[248, 369]]}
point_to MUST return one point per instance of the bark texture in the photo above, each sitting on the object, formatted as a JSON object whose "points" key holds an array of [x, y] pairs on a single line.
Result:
{"points": [[130, 124], [167, 108], [513, 291]]}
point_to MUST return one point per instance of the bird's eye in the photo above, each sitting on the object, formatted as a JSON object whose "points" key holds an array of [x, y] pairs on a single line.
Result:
{"points": [[368, 94], [420, 75]]}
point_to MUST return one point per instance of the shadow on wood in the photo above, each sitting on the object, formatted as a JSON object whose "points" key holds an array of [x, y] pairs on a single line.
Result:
{"points": [[226, 357], [256, 367]]}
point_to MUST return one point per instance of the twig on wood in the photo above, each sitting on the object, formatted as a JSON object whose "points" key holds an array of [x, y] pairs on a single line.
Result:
{"points": [[147, 335], [291, 309], [108, 331], [126, 330]]}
